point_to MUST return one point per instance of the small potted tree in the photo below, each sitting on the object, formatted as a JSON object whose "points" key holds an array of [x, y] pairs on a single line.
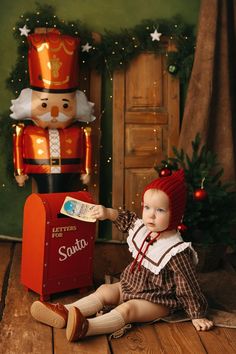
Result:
{"points": [[210, 211]]}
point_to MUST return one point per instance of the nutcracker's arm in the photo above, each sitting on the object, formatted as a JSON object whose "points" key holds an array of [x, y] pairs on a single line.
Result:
{"points": [[18, 149], [88, 150], [18, 154], [88, 156]]}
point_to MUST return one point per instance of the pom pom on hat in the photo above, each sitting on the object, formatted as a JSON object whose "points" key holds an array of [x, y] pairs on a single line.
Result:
{"points": [[175, 188]]}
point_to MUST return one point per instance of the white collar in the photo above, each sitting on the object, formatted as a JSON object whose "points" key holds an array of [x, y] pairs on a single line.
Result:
{"points": [[160, 252]]}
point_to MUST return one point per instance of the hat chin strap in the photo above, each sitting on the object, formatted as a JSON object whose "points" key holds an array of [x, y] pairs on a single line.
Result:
{"points": [[150, 242]]}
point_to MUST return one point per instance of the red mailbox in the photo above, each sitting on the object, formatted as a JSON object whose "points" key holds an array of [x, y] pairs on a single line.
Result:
{"points": [[57, 251]]}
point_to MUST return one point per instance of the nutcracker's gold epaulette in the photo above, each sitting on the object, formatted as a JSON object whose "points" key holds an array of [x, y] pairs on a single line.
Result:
{"points": [[18, 128], [87, 131]]}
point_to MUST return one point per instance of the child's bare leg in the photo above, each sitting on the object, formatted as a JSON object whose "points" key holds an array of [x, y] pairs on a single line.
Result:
{"points": [[139, 310], [106, 294], [109, 294]]}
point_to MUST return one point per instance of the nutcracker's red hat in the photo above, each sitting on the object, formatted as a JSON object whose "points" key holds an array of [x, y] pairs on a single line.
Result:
{"points": [[175, 188], [53, 62]]}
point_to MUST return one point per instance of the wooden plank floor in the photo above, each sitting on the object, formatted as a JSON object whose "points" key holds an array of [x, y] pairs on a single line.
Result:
{"points": [[20, 334]]}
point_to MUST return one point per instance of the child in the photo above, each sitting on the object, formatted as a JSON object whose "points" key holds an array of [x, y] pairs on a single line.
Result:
{"points": [[160, 280]]}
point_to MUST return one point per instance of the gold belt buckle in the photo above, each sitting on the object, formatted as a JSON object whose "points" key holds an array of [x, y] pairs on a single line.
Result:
{"points": [[55, 161]]}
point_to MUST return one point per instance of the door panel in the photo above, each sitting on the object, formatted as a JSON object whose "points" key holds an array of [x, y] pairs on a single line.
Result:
{"points": [[144, 140], [144, 83]]}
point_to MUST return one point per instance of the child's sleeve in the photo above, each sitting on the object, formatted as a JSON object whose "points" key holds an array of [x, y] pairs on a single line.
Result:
{"points": [[125, 220], [188, 291]]}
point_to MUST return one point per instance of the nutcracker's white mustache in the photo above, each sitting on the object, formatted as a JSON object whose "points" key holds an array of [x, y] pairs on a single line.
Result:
{"points": [[46, 117]]}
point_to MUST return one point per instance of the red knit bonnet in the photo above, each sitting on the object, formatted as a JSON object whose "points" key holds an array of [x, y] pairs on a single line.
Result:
{"points": [[175, 188]]}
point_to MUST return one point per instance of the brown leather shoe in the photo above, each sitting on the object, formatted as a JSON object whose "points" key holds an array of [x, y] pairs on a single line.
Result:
{"points": [[77, 325], [54, 315]]}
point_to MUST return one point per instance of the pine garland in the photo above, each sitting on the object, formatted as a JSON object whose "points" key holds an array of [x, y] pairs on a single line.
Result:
{"points": [[114, 52], [118, 49]]}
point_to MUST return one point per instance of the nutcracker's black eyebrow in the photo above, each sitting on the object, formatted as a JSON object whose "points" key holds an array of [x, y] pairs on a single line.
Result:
{"points": [[64, 99], [44, 99]]}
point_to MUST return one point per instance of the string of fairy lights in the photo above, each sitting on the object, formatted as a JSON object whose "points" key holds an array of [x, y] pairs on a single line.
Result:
{"points": [[113, 52]]}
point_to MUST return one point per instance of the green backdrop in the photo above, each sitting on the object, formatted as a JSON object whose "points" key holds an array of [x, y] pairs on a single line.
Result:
{"points": [[98, 15]]}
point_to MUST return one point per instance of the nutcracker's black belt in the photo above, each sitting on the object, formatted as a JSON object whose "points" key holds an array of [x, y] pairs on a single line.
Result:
{"points": [[53, 161]]}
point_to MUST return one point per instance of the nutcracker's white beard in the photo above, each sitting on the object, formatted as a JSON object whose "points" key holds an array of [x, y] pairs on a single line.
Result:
{"points": [[21, 108]]}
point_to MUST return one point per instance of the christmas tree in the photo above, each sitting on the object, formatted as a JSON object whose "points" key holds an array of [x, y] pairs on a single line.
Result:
{"points": [[210, 211]]}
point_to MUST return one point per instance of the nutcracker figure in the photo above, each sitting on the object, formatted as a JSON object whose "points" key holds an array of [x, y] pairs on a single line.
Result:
{"points": [[56, 149]]}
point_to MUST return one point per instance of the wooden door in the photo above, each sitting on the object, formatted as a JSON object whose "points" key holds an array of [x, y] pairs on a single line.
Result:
{"points": [[145, 127]]}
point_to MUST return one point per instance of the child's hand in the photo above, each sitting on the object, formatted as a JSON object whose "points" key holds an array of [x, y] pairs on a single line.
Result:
{"points": [[202, 324], [99, 212]]}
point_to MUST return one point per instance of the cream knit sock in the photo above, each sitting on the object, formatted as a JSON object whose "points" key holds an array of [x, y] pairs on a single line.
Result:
{"points": [[104, 324], [88, 305]]}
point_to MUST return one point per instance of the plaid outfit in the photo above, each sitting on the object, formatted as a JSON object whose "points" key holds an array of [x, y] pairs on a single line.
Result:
{"points": [[170, 281]]}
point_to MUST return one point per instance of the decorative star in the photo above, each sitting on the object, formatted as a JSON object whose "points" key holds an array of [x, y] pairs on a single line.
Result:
{"points": [[86, 47], [24, 31], [155, 35]]}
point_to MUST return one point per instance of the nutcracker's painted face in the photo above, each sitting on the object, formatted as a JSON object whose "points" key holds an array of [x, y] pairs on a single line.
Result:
{"points": [[53, 110]]}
